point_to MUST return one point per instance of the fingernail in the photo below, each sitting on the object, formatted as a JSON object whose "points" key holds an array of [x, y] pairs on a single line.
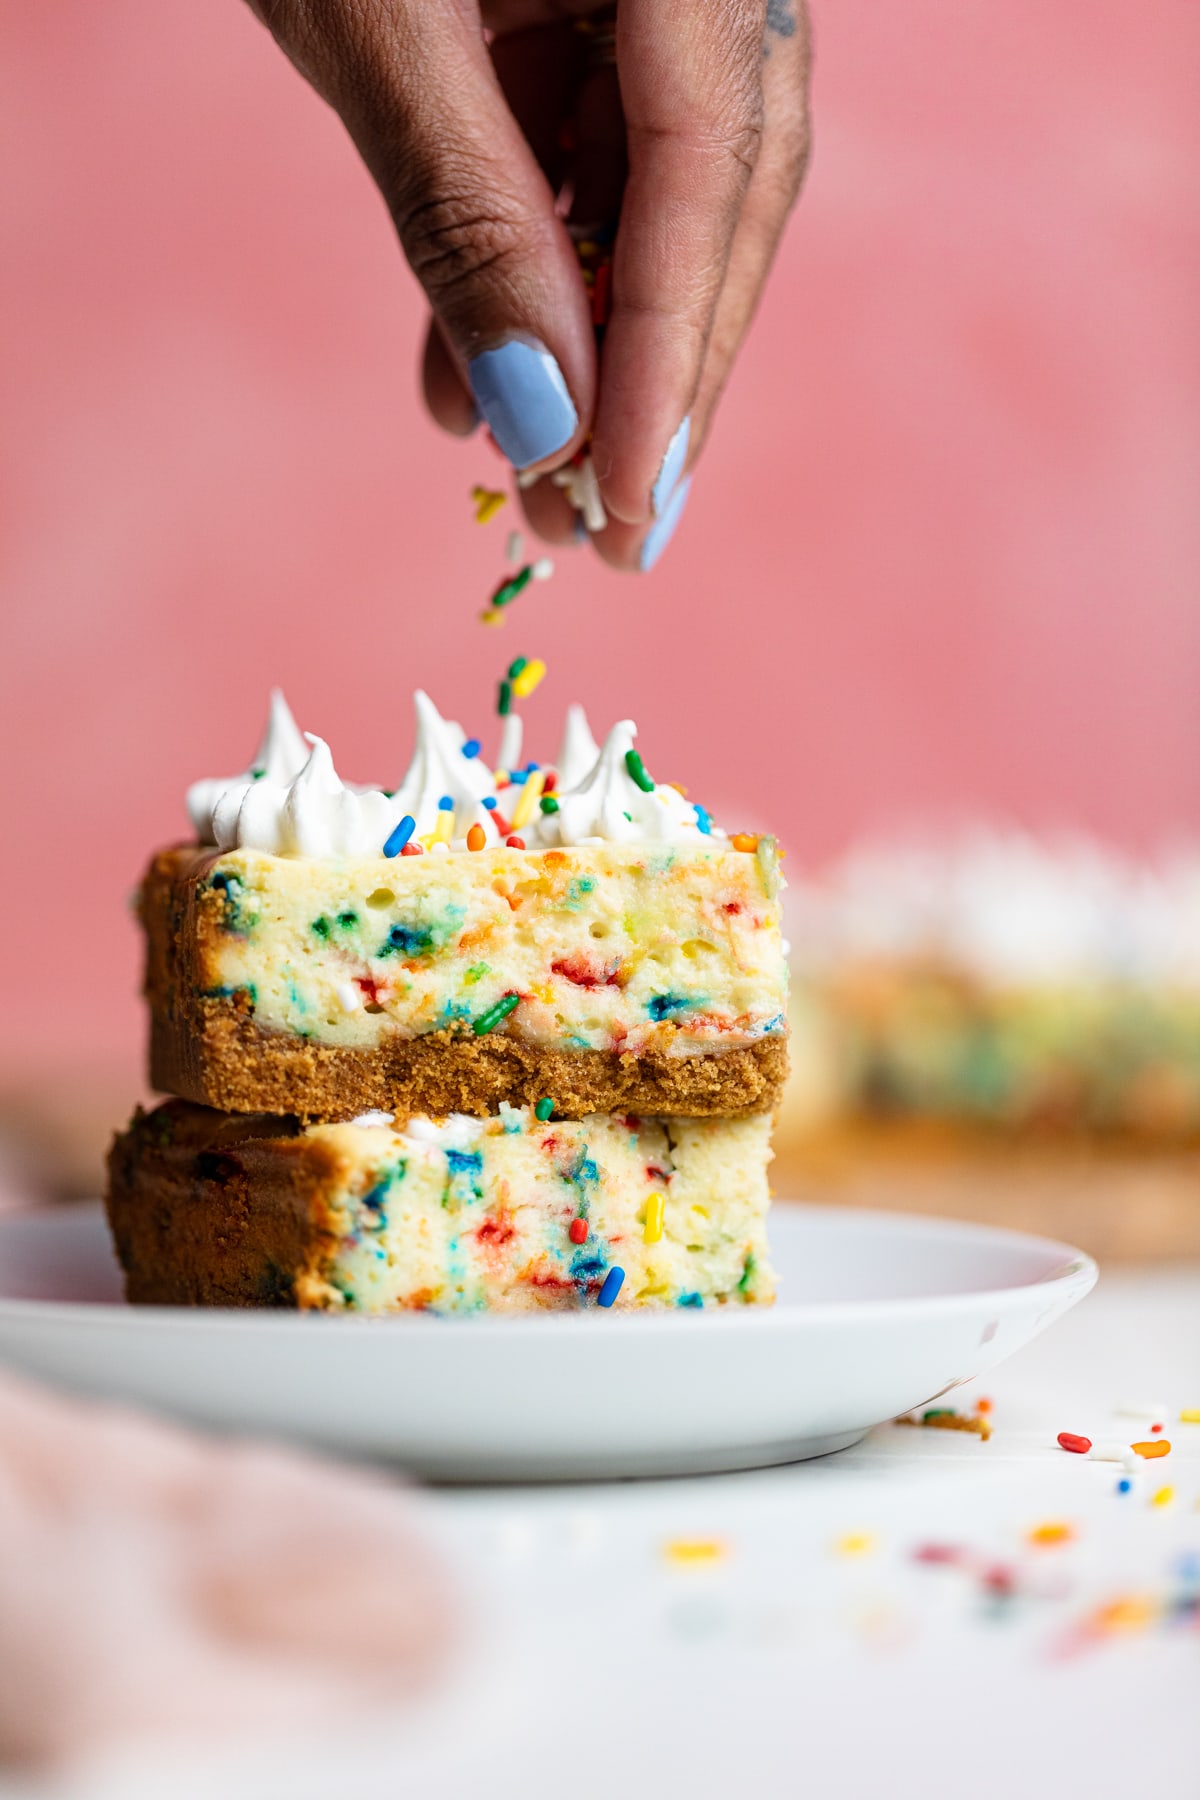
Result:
{"points": [[520, 391], [671, 468], [663, 530]]}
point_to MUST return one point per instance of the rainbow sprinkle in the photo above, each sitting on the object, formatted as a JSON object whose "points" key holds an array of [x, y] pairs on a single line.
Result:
{"points": [[488, 502], [528, 678], [610, 1287], [495, 1015], [637, 772], [398, 838], [544, 1108]]}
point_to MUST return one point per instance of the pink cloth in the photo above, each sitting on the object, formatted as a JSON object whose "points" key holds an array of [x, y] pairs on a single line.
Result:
{"points": [[154, 1583]]}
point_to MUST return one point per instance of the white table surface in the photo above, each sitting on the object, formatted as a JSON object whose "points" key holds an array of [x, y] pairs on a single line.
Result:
{"points": [[602, 1667]]}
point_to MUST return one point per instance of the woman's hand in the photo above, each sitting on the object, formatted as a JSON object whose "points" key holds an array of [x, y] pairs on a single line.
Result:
{"points": [[687, 119]]}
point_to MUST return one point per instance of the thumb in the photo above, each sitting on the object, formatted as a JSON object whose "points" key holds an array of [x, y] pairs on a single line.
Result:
{"points": [[414, 86]]}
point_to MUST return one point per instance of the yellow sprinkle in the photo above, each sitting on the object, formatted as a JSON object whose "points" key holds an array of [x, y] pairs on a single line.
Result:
{"points": [[693, 1552], [855, 1543], [1131, 1614], [1163, 1497], [488, 502], [443, 831], [1055, 1531], [531, 793], [1190, 1415], [492, 615], [654, 1219], [524, 683]]}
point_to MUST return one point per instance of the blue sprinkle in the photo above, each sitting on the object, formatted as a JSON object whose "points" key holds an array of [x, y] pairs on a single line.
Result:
{"points": [[611, 1287], [704, 820], [400, 836], [472, 747], [692, 1299], [490, 802], [1124, 1485], [446, 803]]}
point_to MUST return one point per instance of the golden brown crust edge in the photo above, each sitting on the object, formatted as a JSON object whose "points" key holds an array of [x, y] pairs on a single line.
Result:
{"points": [[210, 1050], [206, 1211]]}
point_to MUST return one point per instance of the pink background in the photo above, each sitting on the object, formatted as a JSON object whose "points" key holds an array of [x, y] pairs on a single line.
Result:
{"points": [[942, 554]]}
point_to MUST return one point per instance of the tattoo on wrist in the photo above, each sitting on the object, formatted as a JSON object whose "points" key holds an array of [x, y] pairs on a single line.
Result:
{"points": [[781, 21]]}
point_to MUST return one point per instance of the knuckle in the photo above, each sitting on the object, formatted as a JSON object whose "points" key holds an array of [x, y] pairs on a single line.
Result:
{"points": [[453, 238]]}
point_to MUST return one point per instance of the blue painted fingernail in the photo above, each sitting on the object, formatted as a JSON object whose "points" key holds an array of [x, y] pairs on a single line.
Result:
{"points": [[663, 530], [520, 391], [671, 468]]}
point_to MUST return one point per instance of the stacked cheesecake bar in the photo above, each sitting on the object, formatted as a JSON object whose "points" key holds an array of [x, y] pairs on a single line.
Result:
{"points": [[492, 1040]]}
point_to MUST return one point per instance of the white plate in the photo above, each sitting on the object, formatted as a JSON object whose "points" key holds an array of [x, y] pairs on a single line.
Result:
{"points": [[878, 1313]]}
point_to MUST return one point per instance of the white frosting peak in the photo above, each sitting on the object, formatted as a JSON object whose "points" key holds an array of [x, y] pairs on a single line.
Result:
{"points": [[607, 803], [578, 751], [292, 802]]}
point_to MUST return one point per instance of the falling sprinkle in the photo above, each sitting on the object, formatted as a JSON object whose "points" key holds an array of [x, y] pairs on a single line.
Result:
{"points": [[514, 548], [488, 502], [504, 702], [528, 679]]}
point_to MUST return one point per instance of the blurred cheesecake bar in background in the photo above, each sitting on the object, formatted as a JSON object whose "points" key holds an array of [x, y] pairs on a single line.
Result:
{"points": [[995, 988], [511, 1213]]}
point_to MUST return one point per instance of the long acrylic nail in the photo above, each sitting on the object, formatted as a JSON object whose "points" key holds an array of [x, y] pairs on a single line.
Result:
{"points": [[671, 468], [663, 530], [520, 391]]}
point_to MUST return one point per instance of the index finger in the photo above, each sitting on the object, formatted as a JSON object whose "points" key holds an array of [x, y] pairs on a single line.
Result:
{"points": [[691, 88]]}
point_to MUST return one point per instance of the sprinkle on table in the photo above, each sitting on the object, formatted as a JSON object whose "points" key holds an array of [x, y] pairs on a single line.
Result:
{"points": [[495, 1015], [855, 1543], [637, 772], [694, 1553], [1054, 1531], [528, 678], [1070, 1440], [1150, 1447], [655, 1208], [1190, 1415], [610, 1287], [488, 502], [476, 838], [544, 1108], [399, 837], [1163, 1496], [1125, 1485]]}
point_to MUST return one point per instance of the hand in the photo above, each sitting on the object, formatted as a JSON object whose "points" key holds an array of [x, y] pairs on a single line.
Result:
{"points": [[695, 131]]}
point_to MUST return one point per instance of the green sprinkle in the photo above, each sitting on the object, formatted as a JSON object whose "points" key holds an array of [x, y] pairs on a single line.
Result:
{"points": [[257, 774], [548, 803], [495, 1014], [544, 1108], [515, 667], [504, 704], [508, 590], [321, 926], [637, 771], [938, 1412]]}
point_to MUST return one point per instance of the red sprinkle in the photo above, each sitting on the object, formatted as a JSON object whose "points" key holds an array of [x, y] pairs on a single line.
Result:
{"points": [[515, 843], [1079, 1445], [577, 1231], [412, 849], [1156, 1427], [938, 1553]]}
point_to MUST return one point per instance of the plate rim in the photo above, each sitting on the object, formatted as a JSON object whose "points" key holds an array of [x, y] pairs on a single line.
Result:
{"points": [[1074, 1273]]}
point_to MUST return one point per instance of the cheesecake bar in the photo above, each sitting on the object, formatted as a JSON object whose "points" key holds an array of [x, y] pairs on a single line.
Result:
{"points": [[513, 1213], [325, 950]]}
